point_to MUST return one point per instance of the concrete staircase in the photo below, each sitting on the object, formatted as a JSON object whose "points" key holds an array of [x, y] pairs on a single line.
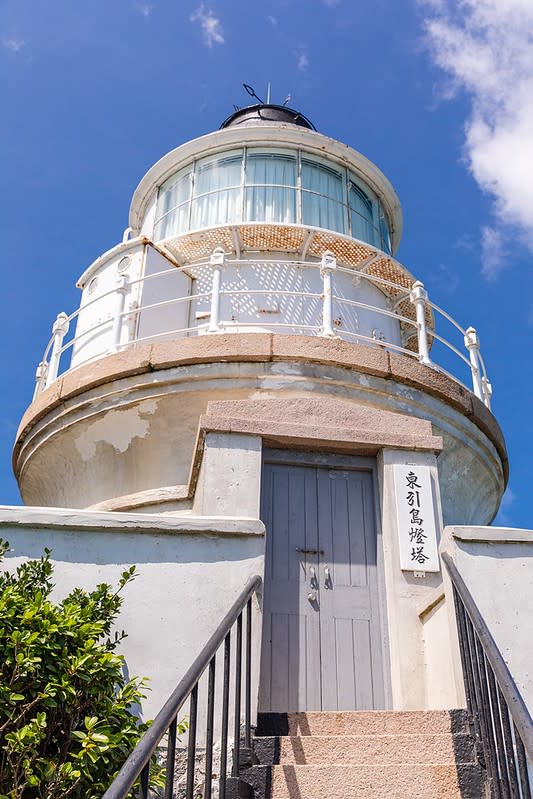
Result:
{"points": [[375, 755]]}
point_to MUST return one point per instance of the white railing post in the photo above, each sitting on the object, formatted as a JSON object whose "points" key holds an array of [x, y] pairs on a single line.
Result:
{"points": [[120, 301], [328, 265], [418, 296], [216, 262], [40, 378], [472, 345], [487, 391], [59, 331]]}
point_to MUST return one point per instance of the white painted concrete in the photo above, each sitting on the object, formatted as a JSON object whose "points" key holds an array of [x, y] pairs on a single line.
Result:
{"points": [[417, 681], [52, 472], [230, 476], [251, 312], [147, 227], [117, 428], [155, 324], [189, 573], [93, 327], [186, 310], [496, 564]]}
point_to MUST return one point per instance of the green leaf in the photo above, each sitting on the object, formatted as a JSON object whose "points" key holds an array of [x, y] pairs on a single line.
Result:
{"points": [[61, 657]]}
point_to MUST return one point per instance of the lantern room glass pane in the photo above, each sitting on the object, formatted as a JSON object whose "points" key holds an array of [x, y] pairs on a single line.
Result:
{"points": [[272, 185], [175, 221], [216, 191], [384, 231], [270, 194], [362, 218], [173, 205], [322, 197]]}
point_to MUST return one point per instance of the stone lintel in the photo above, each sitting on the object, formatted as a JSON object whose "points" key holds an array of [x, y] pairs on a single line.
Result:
{"points": [[317, 423], [314, 424]]}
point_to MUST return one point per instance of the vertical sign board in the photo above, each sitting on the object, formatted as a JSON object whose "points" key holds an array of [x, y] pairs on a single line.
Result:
{"points": [[417, 532]]}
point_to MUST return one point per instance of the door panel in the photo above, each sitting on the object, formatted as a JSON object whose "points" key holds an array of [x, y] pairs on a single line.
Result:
{"points": [[347, 536], [290, 660], [322, 647], [352, 675]]}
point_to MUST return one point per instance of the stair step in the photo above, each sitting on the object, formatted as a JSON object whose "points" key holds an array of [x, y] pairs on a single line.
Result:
{"points": [[372, 722], [365, 749], [368, 782]]}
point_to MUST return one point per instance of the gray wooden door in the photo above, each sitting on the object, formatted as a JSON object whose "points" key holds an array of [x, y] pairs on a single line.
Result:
{"points": [[322, 644]]}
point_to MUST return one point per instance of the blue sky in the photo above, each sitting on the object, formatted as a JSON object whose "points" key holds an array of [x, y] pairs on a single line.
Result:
{"points": [[439, 94]]}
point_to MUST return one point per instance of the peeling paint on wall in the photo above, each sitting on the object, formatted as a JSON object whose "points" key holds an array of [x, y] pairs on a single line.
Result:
{"points": [[117, 428]]}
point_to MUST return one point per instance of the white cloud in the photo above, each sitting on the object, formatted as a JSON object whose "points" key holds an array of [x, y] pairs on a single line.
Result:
{"points": [[504, 517], [13, 45], [493, 251], [302, 62], [210, 25], [485, 46], [445, 278], [144, 9], [273, 20]]}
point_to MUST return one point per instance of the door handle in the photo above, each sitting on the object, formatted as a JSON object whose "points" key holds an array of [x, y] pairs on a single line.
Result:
{"points": [[328, 582], [313, 581]]}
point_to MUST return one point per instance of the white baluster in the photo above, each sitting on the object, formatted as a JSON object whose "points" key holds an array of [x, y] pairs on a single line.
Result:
{"points": [[59, 331], [329, 265], [120, 301], [217, 262], [40, 378], [472, 345], [418, 297], [487, 391]]}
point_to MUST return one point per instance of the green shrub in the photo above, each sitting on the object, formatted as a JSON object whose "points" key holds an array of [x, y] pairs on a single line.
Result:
{"points": [[67, 714]]}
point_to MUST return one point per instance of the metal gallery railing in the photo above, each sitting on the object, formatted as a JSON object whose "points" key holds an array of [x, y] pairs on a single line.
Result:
{"points": [[228, 636], [117, 336], [500, 722]]}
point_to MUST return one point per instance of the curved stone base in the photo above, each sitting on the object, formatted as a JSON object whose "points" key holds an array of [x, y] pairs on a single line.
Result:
{"points": [[126, 426]]}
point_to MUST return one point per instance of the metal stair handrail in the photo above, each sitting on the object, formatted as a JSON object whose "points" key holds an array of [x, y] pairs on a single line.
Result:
{"points": [[138, 763], [499, 718]]}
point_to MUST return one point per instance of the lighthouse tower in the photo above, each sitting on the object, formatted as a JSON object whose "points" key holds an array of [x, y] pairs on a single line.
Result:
{"points": [[254, 384]]}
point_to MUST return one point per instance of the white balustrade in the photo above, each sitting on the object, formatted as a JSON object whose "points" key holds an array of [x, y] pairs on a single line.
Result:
{"points": [[418, 297], [216, 262], [327, 267], [472, 345], [122, 335], [120, 302], [487, 391], [40, 377], [59, 331]]}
